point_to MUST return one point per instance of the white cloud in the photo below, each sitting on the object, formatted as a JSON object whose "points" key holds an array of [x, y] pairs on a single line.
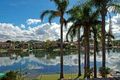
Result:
{"points": [[40, 32], [44, 31], [115, 26], [22, 26], [33, 21]]}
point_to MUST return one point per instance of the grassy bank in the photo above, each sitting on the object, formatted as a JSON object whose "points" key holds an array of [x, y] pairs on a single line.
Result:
{"points": [[56, 76]]}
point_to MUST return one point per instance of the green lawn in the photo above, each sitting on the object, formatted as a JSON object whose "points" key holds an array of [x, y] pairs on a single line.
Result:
{"points": [[56, 77]]}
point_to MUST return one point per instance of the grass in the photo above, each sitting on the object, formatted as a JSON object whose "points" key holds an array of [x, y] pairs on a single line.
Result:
{"points": [[56, 76]]}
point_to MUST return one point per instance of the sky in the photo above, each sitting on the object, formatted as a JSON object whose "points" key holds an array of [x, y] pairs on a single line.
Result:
{"points": [[20, 20], [18, 11]]}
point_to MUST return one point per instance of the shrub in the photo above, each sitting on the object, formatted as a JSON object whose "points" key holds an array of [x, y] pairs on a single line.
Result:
{"points": [[104, 71], [12, 75]]}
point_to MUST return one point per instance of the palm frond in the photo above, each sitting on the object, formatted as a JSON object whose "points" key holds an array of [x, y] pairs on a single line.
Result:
{"points": [[95, 15], [57, 2], [82, 37], [61, 4], [109, 34], [65, 22], [75, 12], [64, 4], [68, 32], [52, 14], [51, 17], [99, 3], [70, 19], [71, 31], [96, 22], [115, 7], [45, 13]]}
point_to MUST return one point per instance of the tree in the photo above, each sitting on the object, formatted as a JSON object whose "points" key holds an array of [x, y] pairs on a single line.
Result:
{"points": [[13, 75], [61, 9], [96, 31], [74, 30], [103, 6], [90, 19], [95, 50], [85, 18], [78, 47]]}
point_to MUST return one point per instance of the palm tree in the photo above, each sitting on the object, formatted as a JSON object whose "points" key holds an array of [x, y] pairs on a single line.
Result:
{"points": [[75, 30], [72, 32], [90, 20], [61, 9], [95, 50], [85, 18], [103, 6], [96, 31], [79, 22]]}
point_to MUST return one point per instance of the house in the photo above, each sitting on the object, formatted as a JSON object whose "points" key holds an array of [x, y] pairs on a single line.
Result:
{"points": [[5, 45], [37, 45]]}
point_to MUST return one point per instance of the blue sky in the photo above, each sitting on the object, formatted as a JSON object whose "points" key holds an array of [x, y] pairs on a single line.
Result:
{"points": [[18, 11]]}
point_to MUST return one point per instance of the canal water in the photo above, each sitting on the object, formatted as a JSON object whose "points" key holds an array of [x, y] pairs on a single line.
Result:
{"points": [[37, 63]]}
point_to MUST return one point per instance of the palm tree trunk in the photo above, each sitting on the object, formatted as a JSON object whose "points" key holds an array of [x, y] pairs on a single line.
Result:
{"points": [[79, 55], [95, 46], [61, 49], [87, 60], [108, 43], [87, 52], [103, 42]]}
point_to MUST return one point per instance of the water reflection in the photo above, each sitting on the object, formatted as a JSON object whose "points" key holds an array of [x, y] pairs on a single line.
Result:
{"points": [[44, 62]]}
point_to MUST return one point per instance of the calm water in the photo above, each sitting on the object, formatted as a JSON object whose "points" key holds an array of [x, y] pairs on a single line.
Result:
{"points": [[42, 63]]}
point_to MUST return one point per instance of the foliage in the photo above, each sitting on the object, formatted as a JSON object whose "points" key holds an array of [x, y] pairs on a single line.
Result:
{"points": [[89, 71], [70, 46], [12, 75], [104, 71], [49, 45]]}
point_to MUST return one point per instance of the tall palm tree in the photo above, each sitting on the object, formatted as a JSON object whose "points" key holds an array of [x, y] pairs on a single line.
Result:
{"points": [[86, 19], [82, 19], [59, 12], [72, 32], [90, 20], [95, 50], [75, 29], [103, 6], [96, 31]]}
